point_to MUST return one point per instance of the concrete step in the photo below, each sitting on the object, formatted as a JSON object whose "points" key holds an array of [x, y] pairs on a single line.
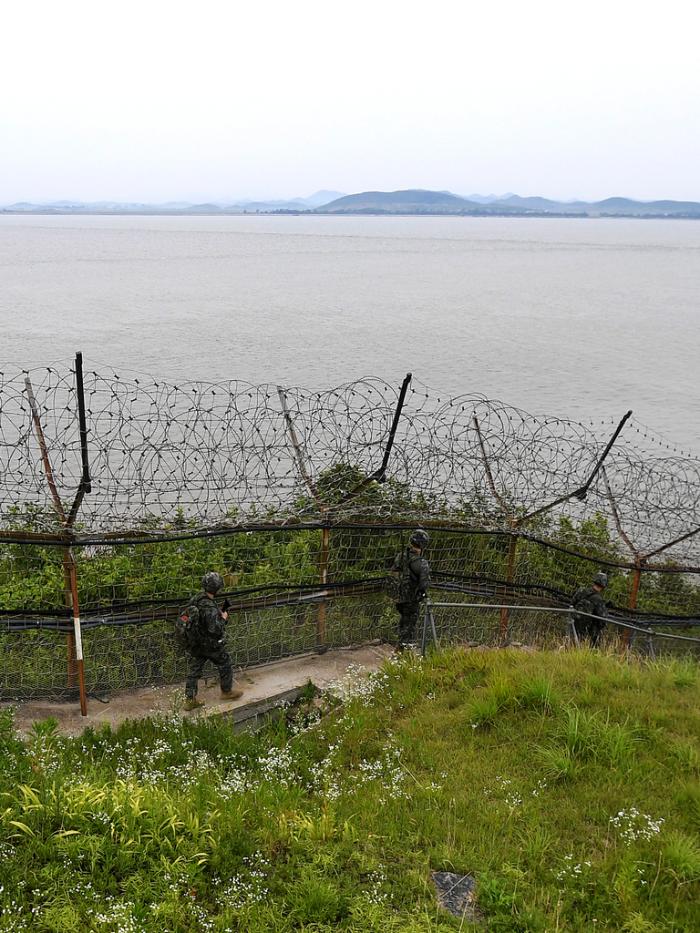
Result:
{"points": [[251, 717]]}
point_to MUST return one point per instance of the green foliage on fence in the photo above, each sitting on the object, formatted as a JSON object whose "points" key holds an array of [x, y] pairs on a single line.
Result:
{"points": [[552, 558], [113, 576]]}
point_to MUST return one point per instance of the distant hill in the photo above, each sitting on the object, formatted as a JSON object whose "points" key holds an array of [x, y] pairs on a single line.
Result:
{"points": [[540, 204], [410, 201], [646, 208], [266, 207], [486, 198], [443, 202], [400, 202], [318, 199]]}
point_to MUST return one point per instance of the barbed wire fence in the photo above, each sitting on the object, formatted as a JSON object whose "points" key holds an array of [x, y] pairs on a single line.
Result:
{"points": [[119, 491]]}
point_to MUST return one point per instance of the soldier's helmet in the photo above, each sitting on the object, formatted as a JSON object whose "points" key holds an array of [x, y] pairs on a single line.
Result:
{"points": [[601, 579], [212, 582], [420, 539]]}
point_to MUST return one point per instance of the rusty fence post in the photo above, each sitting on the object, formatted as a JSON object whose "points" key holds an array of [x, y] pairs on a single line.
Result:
{"points": [[636, 580], [71, 666], [634, 550], [300, 458], [74, 642], [83, 487], [77, 631], [323, 561], [510, 578], [632, 602], [512, 522]]}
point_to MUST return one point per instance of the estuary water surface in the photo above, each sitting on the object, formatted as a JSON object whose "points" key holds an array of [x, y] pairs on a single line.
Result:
{"points": [[571, 317]]}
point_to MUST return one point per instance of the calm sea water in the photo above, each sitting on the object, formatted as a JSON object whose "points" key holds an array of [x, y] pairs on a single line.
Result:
{"points": [[571, 317]]}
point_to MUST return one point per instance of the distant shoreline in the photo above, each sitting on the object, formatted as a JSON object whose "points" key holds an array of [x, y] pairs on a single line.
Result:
{"points": [[412, 202], [538, 215]]}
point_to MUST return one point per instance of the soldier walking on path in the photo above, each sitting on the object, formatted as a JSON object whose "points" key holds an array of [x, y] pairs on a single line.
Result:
{"points": [[208, 624], [413, 573], [588, 599]]}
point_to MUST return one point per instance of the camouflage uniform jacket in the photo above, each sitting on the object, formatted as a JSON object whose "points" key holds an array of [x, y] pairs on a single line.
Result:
{"points": [[212, 625], [588, 599], [414, 576]]}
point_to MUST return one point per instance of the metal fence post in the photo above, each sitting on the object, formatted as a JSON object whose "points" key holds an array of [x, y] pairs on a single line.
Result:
{"points": [[428, 620], [77, 631], [321, 645], [632, 603], [74, 643], [510, 578]]}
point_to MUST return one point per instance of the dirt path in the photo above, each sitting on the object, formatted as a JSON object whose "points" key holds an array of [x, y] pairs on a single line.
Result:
{"points": [[259, 684]]}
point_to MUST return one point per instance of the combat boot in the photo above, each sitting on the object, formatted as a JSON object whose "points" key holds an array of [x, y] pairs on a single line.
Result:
{"points": [[233, 694], [192, 703]]}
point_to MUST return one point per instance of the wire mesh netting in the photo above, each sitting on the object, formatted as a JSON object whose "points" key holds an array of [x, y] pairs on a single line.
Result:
{"points": [[301, 499]]}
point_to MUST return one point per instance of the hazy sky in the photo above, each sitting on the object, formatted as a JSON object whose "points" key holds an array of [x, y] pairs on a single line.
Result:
{"points": [[157, 101]]}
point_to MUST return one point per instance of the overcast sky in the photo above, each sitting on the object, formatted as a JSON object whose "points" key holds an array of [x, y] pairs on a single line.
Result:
{"points": [[160, 101]]}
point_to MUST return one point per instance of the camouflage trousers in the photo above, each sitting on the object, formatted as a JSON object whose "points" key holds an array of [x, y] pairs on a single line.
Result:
{"points": [[221, 660], [589, 630], [408, 622]]}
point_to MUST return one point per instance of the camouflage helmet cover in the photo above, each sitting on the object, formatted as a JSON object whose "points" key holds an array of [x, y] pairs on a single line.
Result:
{"points": [[420, 538], [212, 582], [601, 579]]}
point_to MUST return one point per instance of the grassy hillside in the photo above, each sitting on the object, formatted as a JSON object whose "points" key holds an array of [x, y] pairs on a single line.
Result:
{"points": [[568, 784]]}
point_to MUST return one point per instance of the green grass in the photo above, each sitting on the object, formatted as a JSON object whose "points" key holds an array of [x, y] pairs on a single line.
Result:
{"points": [[568, 784]]}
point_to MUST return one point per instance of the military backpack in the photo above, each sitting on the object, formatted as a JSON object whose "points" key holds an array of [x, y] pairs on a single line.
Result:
{"points": [[187, 632], [408, 580], [584, 601]]}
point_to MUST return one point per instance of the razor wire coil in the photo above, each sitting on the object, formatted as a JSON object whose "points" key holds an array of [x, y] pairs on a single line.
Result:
{"points": [[283, 489]]}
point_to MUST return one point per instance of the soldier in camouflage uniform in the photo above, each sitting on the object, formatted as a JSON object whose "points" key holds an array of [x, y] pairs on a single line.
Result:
{"points": [[588, 599], [209, 643], [413, 573]]}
